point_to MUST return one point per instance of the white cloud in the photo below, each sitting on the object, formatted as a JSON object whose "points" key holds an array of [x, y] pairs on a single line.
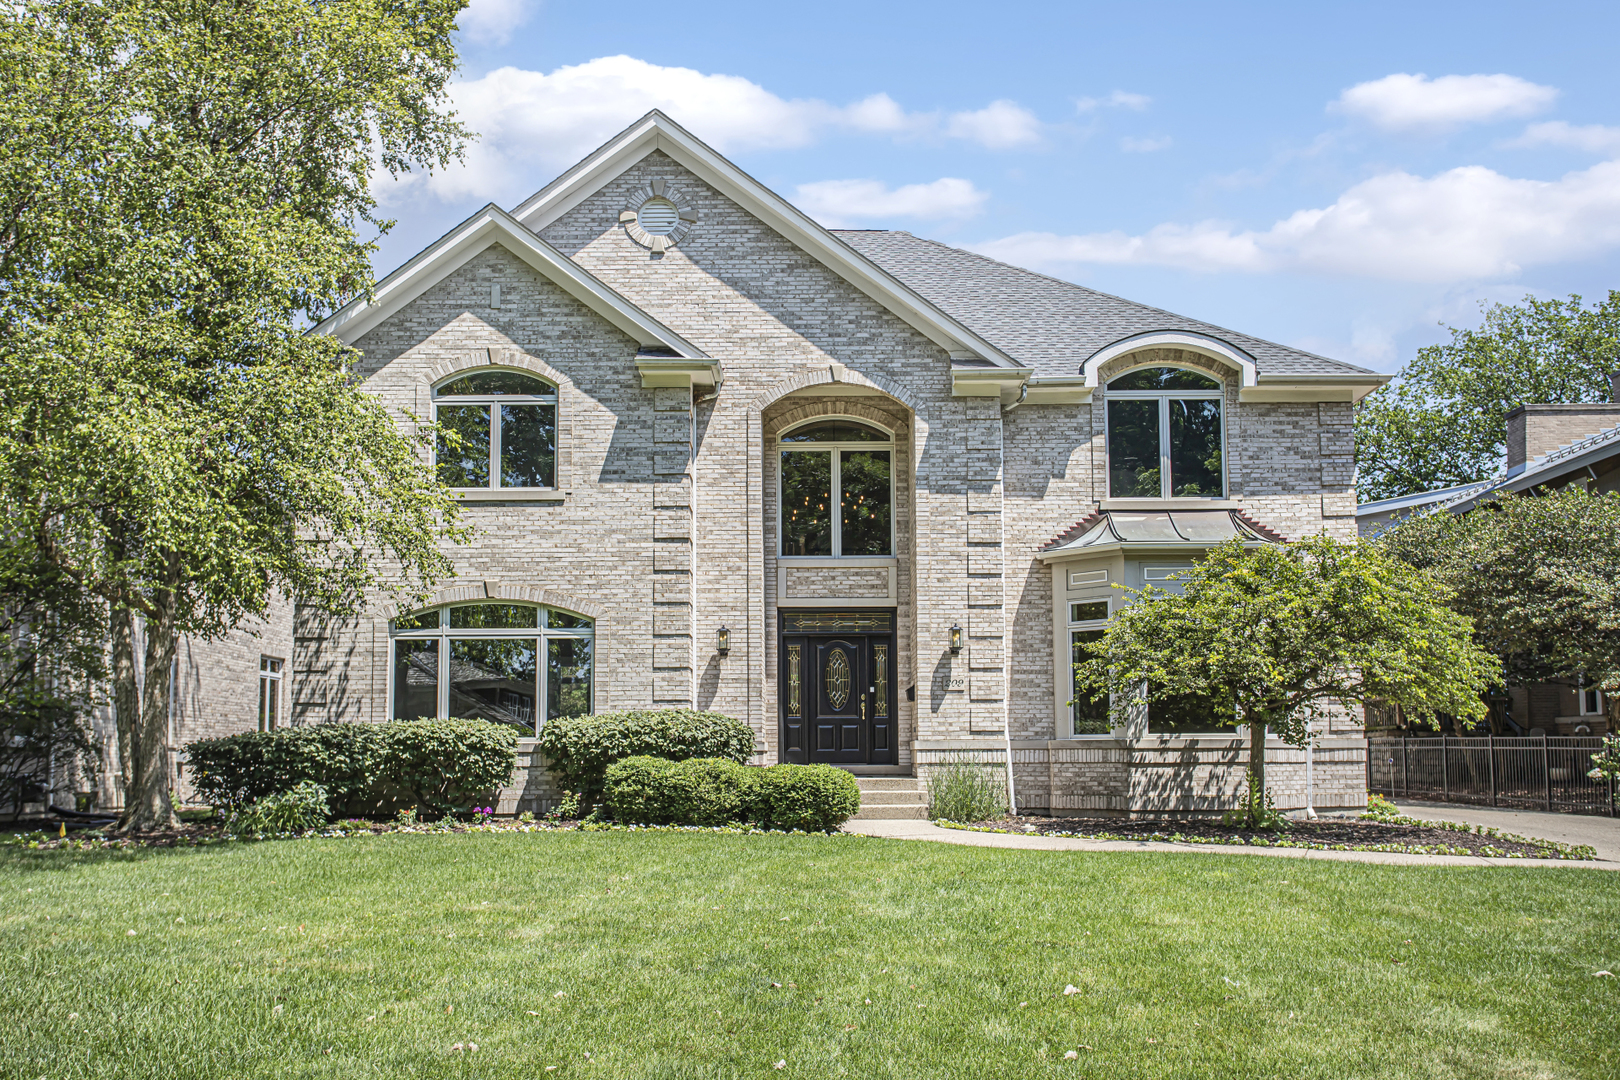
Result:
{"points": [[1408, 102], [998, 126], [1119, 99], [1592, 138], [1465, 224], [491, 22], [836, 203], [1132, 145], [533, 123]]}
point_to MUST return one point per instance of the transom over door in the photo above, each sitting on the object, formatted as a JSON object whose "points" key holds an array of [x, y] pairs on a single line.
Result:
{"points": [[837, 692]]}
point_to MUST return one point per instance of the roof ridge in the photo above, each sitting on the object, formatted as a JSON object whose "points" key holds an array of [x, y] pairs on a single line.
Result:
{"points": [[1138, 305]]}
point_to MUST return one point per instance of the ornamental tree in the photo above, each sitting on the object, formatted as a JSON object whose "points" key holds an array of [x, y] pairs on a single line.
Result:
{"points": [[1281, 634], [183, 186], [1539, 577]]}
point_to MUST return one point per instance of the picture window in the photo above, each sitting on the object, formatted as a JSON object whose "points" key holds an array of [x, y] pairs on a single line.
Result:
{"points": [[493, 661]]}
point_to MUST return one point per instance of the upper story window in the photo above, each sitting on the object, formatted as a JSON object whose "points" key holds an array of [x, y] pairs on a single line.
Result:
{"points": [[837, 489], [1164, 435], [505, 430], [495, 661]]}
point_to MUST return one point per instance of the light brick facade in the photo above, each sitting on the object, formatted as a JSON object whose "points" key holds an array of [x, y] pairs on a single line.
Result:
{"points": [[663, 525]]}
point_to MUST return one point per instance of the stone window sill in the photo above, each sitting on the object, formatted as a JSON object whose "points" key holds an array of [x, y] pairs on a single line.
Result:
{"points": [[511, 495], [833, 561], [1170, 504]]}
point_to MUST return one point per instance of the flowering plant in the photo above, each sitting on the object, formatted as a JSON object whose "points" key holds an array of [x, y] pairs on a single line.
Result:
{"points": [[482, 814]]}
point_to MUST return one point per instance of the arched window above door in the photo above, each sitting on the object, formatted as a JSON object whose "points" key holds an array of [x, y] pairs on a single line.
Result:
{"points": [[836, 494]]}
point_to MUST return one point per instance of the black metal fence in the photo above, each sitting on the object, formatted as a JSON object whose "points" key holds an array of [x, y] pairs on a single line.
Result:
{"points": [[1536, 773]]}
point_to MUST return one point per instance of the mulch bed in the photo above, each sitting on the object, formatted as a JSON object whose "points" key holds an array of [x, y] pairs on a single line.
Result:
{"points": [[1323, 834]]}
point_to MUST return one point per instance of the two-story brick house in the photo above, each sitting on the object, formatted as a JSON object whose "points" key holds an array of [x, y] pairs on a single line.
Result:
{"points": [[864, 491]]}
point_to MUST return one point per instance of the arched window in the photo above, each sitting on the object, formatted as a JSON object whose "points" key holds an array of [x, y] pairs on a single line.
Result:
{"points": [[498, 429], [500, 659], [1165, 435], [837, 489]]}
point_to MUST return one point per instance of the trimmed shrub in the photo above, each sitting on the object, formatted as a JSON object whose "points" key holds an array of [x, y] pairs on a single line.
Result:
{"points": [[297, 810], [723, 792], [645, 790], [580, 748], [447, 766], [436, 765], [815, 798], [241, 769], [967, 793]]}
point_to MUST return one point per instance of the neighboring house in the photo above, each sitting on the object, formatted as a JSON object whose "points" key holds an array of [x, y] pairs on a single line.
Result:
{"points": [[1548, 447], [864, 491]]}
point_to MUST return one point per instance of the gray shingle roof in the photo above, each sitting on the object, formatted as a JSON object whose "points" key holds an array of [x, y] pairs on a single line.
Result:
{"points": [[1048, 324]]}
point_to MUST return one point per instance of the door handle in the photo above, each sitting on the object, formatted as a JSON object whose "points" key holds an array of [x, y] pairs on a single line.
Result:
{"points": [[863, 707]]}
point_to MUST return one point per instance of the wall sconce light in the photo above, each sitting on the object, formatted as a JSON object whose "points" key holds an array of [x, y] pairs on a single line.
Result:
{"points": [[722, 641], [956, 639]]}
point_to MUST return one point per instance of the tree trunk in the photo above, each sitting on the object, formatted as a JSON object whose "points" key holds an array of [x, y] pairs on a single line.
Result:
{"points": [[126, 698], [1257, 766], [150, 805]]}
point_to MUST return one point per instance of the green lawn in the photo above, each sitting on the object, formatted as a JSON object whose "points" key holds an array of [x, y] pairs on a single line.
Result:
{"points": [[624, 954]]}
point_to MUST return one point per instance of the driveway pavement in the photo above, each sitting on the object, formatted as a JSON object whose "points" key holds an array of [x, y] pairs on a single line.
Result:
{"points": [[927, 830], [1603, 833]]}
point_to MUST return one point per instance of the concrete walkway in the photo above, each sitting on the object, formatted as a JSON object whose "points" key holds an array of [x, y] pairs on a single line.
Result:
{"points": [[927, 830], [1603, 833]]}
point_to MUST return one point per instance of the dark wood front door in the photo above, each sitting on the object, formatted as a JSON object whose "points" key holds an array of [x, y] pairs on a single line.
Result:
{"points": [[837, 688]]}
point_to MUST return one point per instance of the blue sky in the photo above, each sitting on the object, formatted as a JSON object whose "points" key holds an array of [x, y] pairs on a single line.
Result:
{"points": [[1335, 177]]}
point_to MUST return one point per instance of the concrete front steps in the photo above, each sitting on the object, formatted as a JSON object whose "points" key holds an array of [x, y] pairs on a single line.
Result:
{"points": [[892, 798]]}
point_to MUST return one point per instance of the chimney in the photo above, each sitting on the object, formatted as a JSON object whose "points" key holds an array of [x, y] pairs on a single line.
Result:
{"points": [[1536, 430]]}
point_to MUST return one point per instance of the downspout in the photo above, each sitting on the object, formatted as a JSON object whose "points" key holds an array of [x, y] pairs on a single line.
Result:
{"points": [[1006, 653]]}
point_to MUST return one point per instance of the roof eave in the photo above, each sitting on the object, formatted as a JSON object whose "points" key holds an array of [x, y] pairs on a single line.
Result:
{"points": [[452, 251]]}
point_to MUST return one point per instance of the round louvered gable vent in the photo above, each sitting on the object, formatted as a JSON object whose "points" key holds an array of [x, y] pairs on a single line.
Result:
{"points": [[657, 217]]}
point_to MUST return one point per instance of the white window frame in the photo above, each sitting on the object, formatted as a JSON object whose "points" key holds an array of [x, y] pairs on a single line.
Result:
{"points": [[1582, 692], [492, 402], [540, 633], [836, 495], [1072, 625], [1163, 397], [272, 671]]}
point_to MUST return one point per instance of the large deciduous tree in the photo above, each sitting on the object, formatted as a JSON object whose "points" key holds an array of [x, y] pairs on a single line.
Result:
{"points": [[1441, 422], [1538, 575], [1281, 634], [182, 189]]}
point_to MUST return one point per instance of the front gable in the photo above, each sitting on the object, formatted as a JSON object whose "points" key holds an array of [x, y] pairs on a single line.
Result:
{"points": [[733, 285], [749, 220]]}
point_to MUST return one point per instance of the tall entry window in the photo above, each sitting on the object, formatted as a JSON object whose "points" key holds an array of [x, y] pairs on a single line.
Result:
{"points": [[1164, 435], [498, 429], [516, 664], [837, 493]]}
